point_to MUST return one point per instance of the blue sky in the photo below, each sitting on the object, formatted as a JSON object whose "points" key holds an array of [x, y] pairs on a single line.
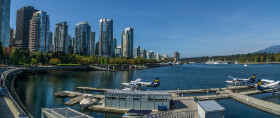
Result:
{"points": [[191, 27]]}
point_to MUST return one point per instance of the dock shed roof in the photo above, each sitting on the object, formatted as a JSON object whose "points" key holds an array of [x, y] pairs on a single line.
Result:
{"points": [[63, 113], [210, 106]]}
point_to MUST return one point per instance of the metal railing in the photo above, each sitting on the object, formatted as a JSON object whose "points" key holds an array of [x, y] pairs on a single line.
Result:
{"points": [[17, 106], [171, 114], [15, 103]]}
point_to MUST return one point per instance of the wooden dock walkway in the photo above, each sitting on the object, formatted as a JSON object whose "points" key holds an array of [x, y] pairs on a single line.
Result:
{"points": [[76, 96], [93, 89], [257, 103], [242, 97], [239, 94]]}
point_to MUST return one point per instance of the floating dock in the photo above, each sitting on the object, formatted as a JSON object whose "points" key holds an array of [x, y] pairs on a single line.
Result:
{"points": [[76, 96], [93, 89], [187, 104]]}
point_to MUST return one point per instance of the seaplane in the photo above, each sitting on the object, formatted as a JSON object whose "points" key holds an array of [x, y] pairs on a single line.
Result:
{"points": [[268, 84], [137, 84], [240, 81]]}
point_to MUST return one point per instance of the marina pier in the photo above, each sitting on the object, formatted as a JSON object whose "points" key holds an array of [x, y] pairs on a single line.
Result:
{"points": [[187, 104]]}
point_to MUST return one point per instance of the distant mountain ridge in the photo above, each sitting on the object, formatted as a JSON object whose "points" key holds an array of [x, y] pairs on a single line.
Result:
{"points": [[272, 49]]}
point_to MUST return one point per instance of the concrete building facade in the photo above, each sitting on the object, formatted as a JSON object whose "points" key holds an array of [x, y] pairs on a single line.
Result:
{"points": [[60, 37], [24, 16], [106, 38], [143, 53], [127, 42], [176, 56], [92, 44], [150, 55], [118, 52], [137, 52], [82, 38], [38, 32]]}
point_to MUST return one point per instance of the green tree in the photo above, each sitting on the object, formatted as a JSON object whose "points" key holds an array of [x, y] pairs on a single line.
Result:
{"points": [[106, 61], [262, 59], [34, 61], [257, 59], [54, 61], [15, 55]]}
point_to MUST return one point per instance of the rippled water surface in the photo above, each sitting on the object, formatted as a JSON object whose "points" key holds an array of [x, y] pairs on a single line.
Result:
{"points": [[36, 92]]}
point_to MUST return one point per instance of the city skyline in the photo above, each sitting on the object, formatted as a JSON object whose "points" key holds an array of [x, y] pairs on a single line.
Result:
{"points": [[206, 28]]}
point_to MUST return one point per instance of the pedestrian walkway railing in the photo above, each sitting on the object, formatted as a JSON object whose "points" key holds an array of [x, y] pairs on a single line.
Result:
{"points": [[22, 113], [171, 114], [16, 105]]}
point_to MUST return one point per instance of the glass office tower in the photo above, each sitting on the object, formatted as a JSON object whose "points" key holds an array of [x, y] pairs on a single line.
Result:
{"points": [[5, 22]]}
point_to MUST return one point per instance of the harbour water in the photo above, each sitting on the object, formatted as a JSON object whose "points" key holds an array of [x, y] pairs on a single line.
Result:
{"points": [[36, 92]]}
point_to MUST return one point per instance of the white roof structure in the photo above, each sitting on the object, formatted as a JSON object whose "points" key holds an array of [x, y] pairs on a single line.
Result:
{"points": [[63, 113], [210, 106], [81, 23]]}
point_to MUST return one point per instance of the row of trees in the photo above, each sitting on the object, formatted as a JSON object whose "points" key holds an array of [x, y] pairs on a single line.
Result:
{"points": [[251, 57], [23, 57]]}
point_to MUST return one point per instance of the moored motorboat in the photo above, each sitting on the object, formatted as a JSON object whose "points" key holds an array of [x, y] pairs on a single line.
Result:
{"points": [[87, 101]]}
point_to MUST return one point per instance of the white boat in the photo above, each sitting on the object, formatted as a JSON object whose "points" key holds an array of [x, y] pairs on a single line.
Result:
{"points": [[210, 62], [245, 65], [87, 101]]}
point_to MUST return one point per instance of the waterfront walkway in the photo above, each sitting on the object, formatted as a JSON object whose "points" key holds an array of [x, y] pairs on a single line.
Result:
{"points": [[7, 108], [5, 111]]}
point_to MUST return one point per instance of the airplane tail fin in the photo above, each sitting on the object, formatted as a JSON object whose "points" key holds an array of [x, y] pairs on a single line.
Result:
{"points": [[252, 78], [155, 83], [259, 85]]}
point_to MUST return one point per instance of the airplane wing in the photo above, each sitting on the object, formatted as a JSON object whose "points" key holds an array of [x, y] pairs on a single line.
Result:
{"points": [[138, 80], [238, 79], [144, 83], [231, 77], [267, 81], [135, 82]]}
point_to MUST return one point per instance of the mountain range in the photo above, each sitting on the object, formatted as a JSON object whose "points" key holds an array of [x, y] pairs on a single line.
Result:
{"points": [[272, 49]]}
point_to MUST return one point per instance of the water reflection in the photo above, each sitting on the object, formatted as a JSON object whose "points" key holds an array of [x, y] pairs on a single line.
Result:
{"points": [[37, 92]]}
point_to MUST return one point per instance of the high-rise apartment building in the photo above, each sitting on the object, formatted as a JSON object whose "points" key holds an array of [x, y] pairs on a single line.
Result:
{"points": [[24, 16], [114, 45], [143, 53], [118, 51], [165, 56], [60, 37], [158, 56], [106, 38], [5, 6], [12, 31], [91, 45], [137, 52], [150, 55], [69, 45], [82, 38], [127, 42], [176, 56], [39, 32], [97, 48], [50, 41]]}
